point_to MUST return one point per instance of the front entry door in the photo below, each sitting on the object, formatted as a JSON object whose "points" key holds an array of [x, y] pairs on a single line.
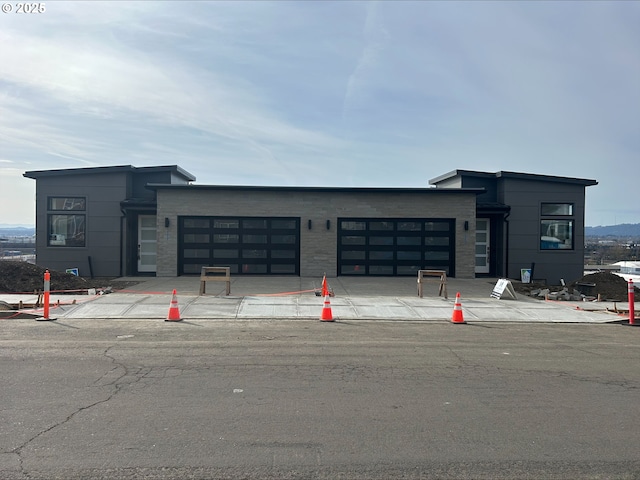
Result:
{"points": [[482, 245], [147, 243]]}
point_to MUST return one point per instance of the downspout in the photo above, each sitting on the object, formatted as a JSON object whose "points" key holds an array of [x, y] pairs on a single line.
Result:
{"points": [[506, 244], [123, 224]]}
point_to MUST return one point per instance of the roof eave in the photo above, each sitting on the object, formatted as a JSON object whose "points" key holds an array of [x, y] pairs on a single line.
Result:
{"points": [[164, 186]]}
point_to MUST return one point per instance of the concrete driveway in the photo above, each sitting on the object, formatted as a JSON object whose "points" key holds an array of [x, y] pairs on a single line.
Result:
{"points": [[366, 298]]}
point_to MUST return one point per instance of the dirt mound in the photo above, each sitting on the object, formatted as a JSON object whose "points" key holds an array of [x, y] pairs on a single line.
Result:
{"points": [[23, 277], [608, 285]]}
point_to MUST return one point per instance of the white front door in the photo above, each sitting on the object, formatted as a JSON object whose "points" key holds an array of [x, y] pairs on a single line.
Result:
{"points": [[482, 245], [147, 243]]}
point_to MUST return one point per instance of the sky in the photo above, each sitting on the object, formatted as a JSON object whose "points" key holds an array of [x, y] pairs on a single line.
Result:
{"points": [[326, 93]]}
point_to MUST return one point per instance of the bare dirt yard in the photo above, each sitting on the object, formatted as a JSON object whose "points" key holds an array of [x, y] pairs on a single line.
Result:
{"points": [[22, 277]]}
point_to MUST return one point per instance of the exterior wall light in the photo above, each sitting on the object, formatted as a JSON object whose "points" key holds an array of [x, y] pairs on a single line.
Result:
{"points": [[328, 224], [167, 222], [309, 224]]}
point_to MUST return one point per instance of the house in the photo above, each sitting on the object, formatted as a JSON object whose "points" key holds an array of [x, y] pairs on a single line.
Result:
{"points": [[529, 221], [125, 220], [100, 220]]}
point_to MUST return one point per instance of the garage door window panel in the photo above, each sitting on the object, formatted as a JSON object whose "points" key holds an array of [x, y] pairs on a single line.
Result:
{"points": [[381, 240], [283, 239], [380, 255], [353, 255], [225, 253], [226, 223], [415, 240], [352, 270], [196, 223], [408, 270], [284, 269], [278, 254], [196, 253], [409, 226], [409, 255], [381, 270]]}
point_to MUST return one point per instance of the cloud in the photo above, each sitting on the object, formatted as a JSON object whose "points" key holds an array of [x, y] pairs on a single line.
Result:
{"points": [[98, 82], [343, 93], [374, 35]]}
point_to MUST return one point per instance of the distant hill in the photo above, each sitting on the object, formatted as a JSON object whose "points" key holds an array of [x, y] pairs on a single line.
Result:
{"points": [[622, 230], [16, 231]]}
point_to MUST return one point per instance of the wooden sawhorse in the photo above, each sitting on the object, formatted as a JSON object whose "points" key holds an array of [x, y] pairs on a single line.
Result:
{"points": [[215, 274], [433, 273]]}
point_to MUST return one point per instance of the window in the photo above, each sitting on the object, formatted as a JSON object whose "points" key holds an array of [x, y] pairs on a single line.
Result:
{"points": [[66, 229], [556, 235], [556, 230], [556, 209], [67, 203]]}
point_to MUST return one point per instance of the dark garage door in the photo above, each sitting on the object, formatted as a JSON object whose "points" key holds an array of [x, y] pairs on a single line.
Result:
{"points": [[377, 246], [249, 245]]}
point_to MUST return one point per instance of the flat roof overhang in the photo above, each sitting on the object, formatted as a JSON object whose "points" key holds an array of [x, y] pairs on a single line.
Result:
{"points": [[513, 175], [264, 188], [35, 174]]}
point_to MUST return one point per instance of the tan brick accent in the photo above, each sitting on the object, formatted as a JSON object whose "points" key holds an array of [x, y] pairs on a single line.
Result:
{"points": [[318, 246]]}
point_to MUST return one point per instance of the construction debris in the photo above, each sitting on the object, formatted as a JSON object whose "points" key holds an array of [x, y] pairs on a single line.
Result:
{"points": [[601, 286]]}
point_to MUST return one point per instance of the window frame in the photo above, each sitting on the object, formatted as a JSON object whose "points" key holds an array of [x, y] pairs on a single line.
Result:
{"points": [[74, 208], [568, 204], [561, 221]]}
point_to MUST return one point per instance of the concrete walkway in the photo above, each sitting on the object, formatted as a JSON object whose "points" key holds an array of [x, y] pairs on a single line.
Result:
{"points": [[366, 298]]}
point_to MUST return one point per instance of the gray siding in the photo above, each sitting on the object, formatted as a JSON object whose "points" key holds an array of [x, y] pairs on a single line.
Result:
{"points": [[525, 198], [103, 192], [318, 246]]}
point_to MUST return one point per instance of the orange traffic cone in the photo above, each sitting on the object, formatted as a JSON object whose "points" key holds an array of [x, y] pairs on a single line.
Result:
{"points": [[325, 290], [326, 315], [174, 311], [457, 311]]}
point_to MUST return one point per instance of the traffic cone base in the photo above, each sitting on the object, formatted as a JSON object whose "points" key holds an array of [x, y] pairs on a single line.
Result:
{"points": [[457, 317], [327, 315], [174, 310]]}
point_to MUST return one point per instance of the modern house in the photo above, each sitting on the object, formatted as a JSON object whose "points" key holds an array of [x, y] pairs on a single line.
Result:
{"points": [[124, 220], [529, 221]]}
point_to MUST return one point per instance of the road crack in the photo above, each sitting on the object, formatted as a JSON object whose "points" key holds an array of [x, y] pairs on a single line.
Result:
{"points": [[117, 384]]}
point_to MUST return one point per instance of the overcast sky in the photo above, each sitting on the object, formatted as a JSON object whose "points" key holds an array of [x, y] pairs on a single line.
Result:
{"points": [[348, 93]]}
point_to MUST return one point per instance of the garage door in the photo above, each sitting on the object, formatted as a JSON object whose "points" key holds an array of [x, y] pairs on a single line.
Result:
{"points": [[382, 246], [249, 245]]}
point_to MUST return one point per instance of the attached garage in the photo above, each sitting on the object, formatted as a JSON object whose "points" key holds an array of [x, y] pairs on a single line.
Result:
{"points": [[388, 246], [248, 245], [311, 231]]}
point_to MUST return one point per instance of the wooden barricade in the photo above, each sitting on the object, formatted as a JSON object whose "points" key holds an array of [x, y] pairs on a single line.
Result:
{"points": [[442, 277], [215, 274]]}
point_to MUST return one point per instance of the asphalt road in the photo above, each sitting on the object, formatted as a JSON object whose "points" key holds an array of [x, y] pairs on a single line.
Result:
{"points": [[309, 399]]}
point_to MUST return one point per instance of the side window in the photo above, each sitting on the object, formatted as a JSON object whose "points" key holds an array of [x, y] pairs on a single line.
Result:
{"points": [[66, 221], [556, 226]]}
